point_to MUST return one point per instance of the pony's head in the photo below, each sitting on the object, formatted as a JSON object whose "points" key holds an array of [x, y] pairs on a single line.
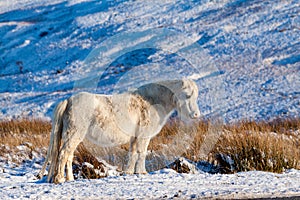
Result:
{"points": [[185, 99]]}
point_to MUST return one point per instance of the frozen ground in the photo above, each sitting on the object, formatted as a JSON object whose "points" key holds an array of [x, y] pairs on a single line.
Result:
{"points": [[20, 183], [165, 184], [244, 55]]}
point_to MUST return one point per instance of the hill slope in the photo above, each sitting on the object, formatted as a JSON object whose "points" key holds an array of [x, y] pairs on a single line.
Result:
{"points": [[252, 46]]}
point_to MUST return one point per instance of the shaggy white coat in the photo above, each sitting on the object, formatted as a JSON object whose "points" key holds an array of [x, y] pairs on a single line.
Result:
{"points": [[111, 120]]}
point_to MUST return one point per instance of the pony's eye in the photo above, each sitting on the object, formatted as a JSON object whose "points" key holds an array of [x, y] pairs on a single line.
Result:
{"points": [[188, 96]]}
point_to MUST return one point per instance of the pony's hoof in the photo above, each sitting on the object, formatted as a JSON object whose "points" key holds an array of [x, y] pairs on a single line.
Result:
{"points": [[129, 172], [142, 173], [71, 178], [58, 180], [39, 176]]}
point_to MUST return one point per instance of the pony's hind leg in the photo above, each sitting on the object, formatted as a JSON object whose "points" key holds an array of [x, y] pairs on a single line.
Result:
{"points": [[65, 164], [41, 173], [62, 161], [69, 170], [66, 157]]}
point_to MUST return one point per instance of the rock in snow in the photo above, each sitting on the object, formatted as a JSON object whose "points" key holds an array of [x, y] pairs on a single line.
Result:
{"points": [[182, 165]]}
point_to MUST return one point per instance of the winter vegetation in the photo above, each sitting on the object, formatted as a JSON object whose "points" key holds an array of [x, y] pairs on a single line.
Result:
{"points": [[244, 146]]}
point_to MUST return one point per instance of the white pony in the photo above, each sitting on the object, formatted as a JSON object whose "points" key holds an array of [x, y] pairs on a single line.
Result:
{"points": [[111, 120]]}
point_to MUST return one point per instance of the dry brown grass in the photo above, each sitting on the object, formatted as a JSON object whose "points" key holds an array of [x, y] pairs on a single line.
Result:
{"points": [[166, 135], [34, 134], [268, 146], [17, 132], [258, 151]]}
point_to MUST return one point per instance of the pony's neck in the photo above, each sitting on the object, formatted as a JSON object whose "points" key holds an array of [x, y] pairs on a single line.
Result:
{"points": [[157, 94]]}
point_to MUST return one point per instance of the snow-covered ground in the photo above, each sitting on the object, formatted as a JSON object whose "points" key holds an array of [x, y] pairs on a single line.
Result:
{"points": [[243, 54], [162, 184], [19, 182]]}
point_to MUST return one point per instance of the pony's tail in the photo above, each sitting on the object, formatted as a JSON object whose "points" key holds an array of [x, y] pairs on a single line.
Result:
{"points": [[55, 142]]}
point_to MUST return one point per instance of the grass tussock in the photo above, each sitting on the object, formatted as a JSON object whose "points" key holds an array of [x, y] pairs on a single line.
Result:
{"points": [[272, 146], [268, 146], [257, 151], [16, 132]]}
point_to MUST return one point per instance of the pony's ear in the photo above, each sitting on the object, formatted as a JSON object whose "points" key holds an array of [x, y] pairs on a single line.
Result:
{"points": [[174, 99], [185, 83]]}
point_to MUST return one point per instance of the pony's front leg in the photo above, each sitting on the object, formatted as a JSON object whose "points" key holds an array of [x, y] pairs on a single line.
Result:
{"points": [[133, 156], [142, 145]]}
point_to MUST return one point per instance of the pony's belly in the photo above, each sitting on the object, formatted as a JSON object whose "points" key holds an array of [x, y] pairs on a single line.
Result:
{"points": [[107, 138]]}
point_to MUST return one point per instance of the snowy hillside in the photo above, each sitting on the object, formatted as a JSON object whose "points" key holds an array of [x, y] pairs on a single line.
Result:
{"points": [[245, 53]]}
